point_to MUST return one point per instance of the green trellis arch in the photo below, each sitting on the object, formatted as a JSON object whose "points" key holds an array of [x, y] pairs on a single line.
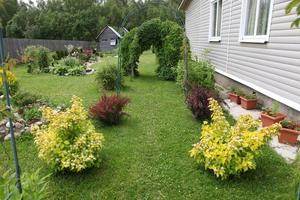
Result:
{"points": [[166, 38]]}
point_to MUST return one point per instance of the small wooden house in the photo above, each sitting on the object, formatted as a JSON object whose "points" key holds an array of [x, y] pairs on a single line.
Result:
{"points": [[108, 39]]}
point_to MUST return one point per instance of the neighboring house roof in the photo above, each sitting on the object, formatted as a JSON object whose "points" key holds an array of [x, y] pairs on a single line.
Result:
{"points": [[184, 4], [112, 29]]}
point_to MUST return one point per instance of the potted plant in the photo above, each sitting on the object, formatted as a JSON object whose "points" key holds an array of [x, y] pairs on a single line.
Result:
{"points": [[289, 132], [249, 101], [272, 115], [234, 95]]}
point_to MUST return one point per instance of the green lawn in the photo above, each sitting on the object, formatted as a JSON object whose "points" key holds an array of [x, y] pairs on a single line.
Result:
{"points": [[146, 157]]}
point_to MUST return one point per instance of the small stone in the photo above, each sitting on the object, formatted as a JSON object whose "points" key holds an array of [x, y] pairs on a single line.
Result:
{"points": [[27, 129], [2, 130], [2, 97], [3, 122], [8, 125], [18, 125], [7, 137], [22, 121], [39, 123]]}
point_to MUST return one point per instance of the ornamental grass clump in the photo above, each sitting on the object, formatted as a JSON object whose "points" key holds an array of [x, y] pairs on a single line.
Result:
{"points": [[230, 150], [69, 141]]}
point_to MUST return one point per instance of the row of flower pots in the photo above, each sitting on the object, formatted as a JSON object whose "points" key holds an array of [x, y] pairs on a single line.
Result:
{"points": [[290, 130], [247, 101]]}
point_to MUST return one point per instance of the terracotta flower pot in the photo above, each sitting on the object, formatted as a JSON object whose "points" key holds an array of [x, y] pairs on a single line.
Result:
{"points": [[234, 98], [268, 120], [248, 104], [288, 136]]}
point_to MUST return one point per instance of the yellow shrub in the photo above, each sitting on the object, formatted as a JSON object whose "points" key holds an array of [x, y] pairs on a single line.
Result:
{"points": [[69, 141], [11, 79], [230, 150]]}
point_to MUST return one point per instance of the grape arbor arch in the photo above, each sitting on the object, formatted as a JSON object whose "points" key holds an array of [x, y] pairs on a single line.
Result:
{"points": [[167, 39]]}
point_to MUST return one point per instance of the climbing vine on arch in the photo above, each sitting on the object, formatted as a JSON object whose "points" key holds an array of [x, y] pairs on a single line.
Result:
{"points": [[166, 38]]}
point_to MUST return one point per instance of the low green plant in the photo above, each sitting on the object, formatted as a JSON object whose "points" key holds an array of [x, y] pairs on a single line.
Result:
{"points": [[249, 96], [272, 111], [24, 98], [201, 73], [76, 71], [34, 187], [84, 57], [107, 77], [230, 150], [32, 114], [68, 66], [70, 61]]}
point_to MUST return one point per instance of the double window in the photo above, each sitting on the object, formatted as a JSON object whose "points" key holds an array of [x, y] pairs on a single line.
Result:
{"points": [[256, 20], [215, 20]]}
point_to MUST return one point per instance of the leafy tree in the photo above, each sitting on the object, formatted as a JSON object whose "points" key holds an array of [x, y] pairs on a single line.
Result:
{"points": [[7, 10], [294, 4], [83, 20]]}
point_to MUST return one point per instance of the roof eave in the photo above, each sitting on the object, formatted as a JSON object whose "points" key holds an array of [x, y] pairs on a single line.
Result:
{"points": [[184, 4]]}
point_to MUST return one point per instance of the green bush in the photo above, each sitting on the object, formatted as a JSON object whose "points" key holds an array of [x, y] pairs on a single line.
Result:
{"points": [[76, 71], [68, 66], [34, 186], [70, 61], [201, 73], [38, 58], [60, 54], [165, 37], [24, 98], [84, 57], [32, 114], [107, 77]]}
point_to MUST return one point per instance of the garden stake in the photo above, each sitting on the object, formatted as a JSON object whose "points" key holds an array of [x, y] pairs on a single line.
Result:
{"points": [[8, 106], [118, 81], [186, 67]]}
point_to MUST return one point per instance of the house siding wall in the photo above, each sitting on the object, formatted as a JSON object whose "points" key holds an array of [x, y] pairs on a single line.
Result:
{"points": [[107, 35], [274, 66]]}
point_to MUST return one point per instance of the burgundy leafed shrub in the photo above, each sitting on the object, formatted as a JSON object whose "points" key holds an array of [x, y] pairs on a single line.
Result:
{"points": [[109, 109], [197, 102]]}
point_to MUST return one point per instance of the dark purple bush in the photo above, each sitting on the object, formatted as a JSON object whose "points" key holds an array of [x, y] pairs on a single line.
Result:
{"points": [[109, 109], [197, 101]]}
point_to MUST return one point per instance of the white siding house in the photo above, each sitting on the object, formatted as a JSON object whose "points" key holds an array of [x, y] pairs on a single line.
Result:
{"points": [[250, 42]]}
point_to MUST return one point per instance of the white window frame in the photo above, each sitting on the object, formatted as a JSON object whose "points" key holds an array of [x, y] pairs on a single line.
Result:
{"points": [[212, 38], [255, 38], [113, 42]]}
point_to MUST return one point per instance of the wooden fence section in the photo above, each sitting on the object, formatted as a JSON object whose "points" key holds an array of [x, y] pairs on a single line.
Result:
{"points": [[14, 47]]}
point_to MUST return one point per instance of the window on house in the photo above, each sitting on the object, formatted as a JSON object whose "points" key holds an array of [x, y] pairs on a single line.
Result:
{"points": [[215, 20], [256, 16], [113, 42], [104, 40]]}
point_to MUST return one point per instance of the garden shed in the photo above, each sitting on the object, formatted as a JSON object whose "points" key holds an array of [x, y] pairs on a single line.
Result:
{"points": [[108, 38]]}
